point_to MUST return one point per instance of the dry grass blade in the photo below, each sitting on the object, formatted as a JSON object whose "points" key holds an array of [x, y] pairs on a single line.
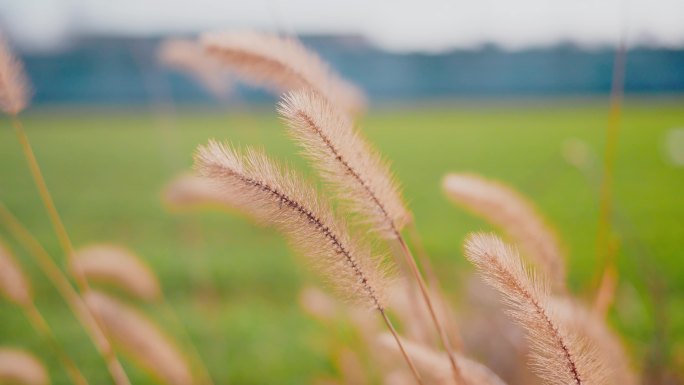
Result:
{"points": [[13, 284], [560, 357], [436, 365], [138, 337], [281, 198], [507, 209], [14, 88], [188, 56], [281, 63], [115, 265], [345, 160], [21, 368]]}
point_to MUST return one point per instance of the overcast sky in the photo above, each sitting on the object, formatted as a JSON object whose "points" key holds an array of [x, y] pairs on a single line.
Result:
{"points": [[423, 25]]}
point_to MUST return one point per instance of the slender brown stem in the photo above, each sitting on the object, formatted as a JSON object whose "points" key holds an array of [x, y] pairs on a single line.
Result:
{"points": [[401, 346], [410, 260], [433, 282], [42, 327], [67, 291], [46, 197]]}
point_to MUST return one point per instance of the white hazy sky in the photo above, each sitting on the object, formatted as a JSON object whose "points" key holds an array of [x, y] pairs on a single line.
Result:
{"points": [[423, 25]]}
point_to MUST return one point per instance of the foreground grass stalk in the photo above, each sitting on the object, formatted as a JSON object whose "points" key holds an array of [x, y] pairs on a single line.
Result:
{"points": [[604, 254], [408, 359], [42, 327], [46, 197], [433, 281], [67, 291], [443, 336]]}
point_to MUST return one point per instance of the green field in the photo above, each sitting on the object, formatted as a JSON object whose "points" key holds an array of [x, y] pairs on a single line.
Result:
{"points": [[235, 285]]}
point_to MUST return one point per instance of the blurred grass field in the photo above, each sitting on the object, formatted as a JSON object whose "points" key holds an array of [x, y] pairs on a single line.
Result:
{"points": [[235, 285]]}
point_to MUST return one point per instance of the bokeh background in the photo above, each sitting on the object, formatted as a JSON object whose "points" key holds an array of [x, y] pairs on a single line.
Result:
{"points": [[517, 90]]}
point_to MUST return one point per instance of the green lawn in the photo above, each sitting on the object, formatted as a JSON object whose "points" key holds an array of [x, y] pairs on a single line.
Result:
{"points": [[235, 285]]}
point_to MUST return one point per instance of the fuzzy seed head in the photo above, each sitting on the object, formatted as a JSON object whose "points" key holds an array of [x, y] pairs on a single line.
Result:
{"points": [[13, 284], [14, 89], [138, 337], [507, 209], [281, 198], [560, 356], [20, 367], [282, 64], [117, 266], [345, 160]]}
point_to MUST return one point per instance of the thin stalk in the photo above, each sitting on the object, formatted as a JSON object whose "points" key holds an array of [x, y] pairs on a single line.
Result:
{"points": [[67, 291], [603, 254], [433, 281], [410, 260], [199, 362], [48, 202], [409, 362], [41, 326]]}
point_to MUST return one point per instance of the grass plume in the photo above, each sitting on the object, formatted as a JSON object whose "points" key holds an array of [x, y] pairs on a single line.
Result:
{"points": [[14, 88], [22, 368], [13, 283], [137, 336], [15, 286], [279, 197], [559, 356], [117, 266], [282, 64], [347, 162], [510, 211], [437, 367], [189, 57]]}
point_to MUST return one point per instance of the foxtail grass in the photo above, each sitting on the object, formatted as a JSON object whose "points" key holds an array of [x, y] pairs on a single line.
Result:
{"points": [[560, 356], [282, 64], [117, 266], [436, 365], [510, 211], [21, 367], [281, 198], [361, 179], [14, 98], [189, 57], [68, 293], [138, 337], [16, 287]]}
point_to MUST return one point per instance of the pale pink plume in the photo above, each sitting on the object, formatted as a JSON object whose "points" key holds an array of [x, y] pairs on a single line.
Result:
{"points": [[281, 198], [560, 355], [21, 368], [191, 191], [189, 57], [345, 160], [13, 283], [510, 211], [14, 88], [318, 304], [593, 327], [282, 64], [139, 338], [117, 266], [436, 367]]}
